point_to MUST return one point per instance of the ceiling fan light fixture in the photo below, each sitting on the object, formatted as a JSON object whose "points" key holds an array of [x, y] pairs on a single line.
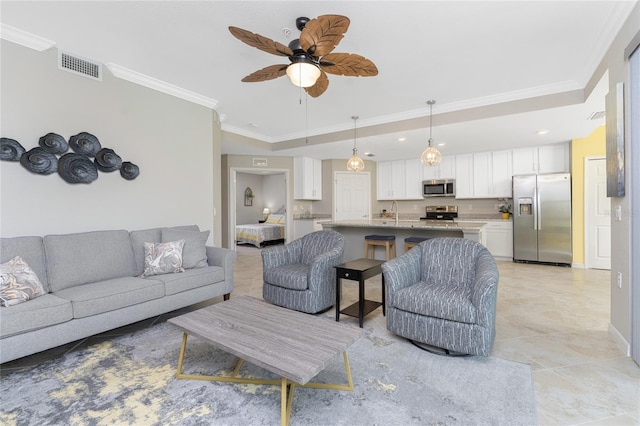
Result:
{"points": [[303, 74], [355, 163], [431, 156]]}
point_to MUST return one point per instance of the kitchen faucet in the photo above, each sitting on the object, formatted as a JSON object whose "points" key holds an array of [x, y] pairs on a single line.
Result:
{"points": [[394, 209]]}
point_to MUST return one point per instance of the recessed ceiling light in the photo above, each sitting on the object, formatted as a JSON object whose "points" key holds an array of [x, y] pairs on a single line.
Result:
{"points": [[402, 139], [369, 154], [441, 144], [542, 132]]}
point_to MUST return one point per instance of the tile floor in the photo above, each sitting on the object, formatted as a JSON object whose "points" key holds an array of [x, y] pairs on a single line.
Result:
{"points": [[553, 318]]}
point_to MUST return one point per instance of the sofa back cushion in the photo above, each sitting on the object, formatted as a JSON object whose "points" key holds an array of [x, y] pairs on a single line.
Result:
{"points": [[31, 250], [153, 235], [87, 257]]}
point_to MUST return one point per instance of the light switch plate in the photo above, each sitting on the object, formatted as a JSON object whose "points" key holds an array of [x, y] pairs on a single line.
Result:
{"points": [[619, 213]]}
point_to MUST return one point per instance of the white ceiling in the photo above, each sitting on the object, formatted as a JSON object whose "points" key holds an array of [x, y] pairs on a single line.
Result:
{"points": [[499, 71]]}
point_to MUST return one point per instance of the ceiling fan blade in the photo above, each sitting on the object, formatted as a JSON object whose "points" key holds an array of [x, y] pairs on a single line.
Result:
{"points": [[261, 42], [267, 73], [322, 34], [349, 64], [322, 83]]}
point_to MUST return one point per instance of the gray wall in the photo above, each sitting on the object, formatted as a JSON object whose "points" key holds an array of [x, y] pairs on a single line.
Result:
{"points": [[171, 140], [253, 213], [616, 63]]}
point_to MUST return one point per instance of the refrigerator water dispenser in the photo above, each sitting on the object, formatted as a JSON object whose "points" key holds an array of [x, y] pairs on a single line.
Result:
{"points": [[525, 206]]}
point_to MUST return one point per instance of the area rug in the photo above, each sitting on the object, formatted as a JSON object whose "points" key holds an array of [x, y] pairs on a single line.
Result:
{"points": [[131, 380]]}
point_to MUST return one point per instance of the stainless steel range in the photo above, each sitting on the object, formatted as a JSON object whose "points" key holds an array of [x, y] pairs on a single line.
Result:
{"points": [[440, 213]]}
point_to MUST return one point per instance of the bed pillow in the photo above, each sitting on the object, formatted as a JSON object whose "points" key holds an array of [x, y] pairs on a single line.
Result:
{"points": [[18, 283], [276, 218], [194, 253], [162, 258]]}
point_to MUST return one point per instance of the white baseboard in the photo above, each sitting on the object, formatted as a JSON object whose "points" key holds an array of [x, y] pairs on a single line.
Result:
{"points": [[621, 341], [577, 265]]}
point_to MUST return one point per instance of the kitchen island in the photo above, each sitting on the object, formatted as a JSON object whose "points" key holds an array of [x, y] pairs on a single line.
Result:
{"points": [[354, 232]]}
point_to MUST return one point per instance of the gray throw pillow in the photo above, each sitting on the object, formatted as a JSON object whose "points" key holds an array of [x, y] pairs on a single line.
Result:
{"points": [[18, 283], [163, 258], [194, 254]]}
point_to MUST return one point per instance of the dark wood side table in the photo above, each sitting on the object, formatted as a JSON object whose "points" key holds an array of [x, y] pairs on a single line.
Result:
{"points": [[358, 270]]}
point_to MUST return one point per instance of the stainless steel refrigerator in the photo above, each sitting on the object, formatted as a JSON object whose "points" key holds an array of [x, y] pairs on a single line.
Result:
{"points": [[542, 218]]}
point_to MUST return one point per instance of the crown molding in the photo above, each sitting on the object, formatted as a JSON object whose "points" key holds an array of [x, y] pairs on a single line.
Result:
{"points": [[24, 38], [161, 86]]}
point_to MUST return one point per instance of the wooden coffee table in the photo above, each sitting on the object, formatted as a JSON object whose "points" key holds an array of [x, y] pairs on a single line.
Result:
{"points": [[291, 344]]}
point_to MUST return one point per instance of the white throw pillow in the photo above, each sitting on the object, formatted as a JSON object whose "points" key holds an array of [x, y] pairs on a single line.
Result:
{"points": [[163, 258], [18, 282]]}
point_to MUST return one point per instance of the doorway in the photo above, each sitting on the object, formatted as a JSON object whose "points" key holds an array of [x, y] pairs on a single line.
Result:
{"points": [[270, 190], [597, 214], [352, 196]]}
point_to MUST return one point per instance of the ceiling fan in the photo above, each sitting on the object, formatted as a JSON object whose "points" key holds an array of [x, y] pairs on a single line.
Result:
{"points": [[310, 55]]}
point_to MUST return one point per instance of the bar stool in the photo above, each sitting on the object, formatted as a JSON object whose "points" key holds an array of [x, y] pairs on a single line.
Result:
{"points": [[411, 242], [371, 241]]}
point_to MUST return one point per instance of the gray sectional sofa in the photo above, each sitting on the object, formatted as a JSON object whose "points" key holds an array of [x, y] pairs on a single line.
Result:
{"points": [[93, 285]]}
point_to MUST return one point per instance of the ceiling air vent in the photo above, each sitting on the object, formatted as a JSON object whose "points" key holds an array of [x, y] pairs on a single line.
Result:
{"points": [[77, 65], [597, 115]]}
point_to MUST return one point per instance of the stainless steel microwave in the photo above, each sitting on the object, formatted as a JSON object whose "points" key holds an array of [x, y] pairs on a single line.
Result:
{"points": [[439, 188]]}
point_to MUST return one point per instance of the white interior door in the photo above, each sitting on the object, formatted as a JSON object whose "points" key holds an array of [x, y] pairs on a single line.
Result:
{"points": [[597, 217], [352, 196]]}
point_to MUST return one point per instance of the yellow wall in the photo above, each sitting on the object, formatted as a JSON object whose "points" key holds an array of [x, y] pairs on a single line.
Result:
{"points": [[592, 146]]}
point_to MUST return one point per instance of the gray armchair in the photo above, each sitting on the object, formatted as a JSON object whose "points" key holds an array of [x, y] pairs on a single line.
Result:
{"points": [[300, 275], [443, 293]]}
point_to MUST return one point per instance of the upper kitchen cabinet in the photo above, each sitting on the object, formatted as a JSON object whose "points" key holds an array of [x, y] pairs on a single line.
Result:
{"points": [[445, 170], [483, 175], [492, 174], [541, 159], [464, 176], [307, 178], [399, 180]]}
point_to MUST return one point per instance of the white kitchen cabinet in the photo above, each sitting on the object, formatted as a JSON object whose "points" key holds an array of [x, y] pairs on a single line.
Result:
{"points": [[501, 174], [499, 239], [464, 176], [302, 227], [399, 180], [445, 170], [413, 180], [541, 159], [307, 178], [484, 175]]}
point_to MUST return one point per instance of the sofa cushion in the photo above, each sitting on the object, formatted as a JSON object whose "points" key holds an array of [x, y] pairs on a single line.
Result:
{"points": [[31, 249], [292, 276], [42, 312], [190, 279], [194, 253], [88, 257], [109, 295], [436, 300], [153, 235], [18, 283]]}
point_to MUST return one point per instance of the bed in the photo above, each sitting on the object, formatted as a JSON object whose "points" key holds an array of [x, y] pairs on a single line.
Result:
{"points": [[259, 234]]}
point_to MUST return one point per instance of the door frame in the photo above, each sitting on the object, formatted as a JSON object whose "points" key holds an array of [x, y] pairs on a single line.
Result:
{"points": [[587, 235], [231, 208]]}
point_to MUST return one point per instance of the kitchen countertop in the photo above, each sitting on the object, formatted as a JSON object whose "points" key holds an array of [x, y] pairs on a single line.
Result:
{"points": [[409, 224]]}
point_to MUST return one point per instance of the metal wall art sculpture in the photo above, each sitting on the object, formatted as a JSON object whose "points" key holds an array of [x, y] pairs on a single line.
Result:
{"points": [[74, 167]]}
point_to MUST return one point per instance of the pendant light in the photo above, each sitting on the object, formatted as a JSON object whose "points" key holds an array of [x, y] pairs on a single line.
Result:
{"points": [[355, 163], [430, 156]]}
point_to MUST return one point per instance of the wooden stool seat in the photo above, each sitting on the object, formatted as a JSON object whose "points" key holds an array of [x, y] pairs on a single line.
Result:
{"points": [[371, 241], [411, 242]]}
